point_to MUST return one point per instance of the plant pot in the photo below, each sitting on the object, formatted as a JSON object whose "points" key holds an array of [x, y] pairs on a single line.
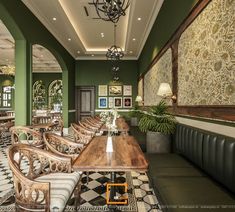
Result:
{"points": [[134, 121], [56, 107], [158, 142]]}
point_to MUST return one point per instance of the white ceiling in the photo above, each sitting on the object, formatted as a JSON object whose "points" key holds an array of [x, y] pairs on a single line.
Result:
{"points": [[81, 34], [84, 31]]}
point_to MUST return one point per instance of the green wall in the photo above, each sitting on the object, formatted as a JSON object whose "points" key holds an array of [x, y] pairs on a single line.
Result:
{"points": [[28, 30], [171, 15], [98, 72]]}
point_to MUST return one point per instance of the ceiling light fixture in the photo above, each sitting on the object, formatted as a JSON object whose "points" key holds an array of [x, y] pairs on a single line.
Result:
{"points": [[111, 10], [139, 19], [92, 55], [54, 19], [131, 52], [134, 39], [115, 52], [69, 39], [102, 34]]}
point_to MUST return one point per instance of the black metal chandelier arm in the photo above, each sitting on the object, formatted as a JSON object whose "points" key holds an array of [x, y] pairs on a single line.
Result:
{"points": [[111, 10]]}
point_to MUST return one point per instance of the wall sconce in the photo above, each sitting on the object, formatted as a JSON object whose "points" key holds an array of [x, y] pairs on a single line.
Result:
{"points": [[166, 92], [139, 100]]}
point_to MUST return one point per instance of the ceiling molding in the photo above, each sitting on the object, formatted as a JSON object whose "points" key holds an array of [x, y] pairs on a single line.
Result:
{"points": [[47, 24], [85, 41], [155, 11]]}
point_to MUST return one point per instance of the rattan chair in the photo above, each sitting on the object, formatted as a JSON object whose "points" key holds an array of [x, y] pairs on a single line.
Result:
{"points": [[80, 136], [26, 135], [62, 146], [47, 185]]}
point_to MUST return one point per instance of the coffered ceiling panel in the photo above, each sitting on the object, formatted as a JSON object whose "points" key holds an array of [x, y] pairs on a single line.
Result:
{"points": [[77, 27]]}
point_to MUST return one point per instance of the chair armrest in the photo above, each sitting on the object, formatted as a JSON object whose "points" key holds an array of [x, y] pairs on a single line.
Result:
{"points": [[62, 146]]}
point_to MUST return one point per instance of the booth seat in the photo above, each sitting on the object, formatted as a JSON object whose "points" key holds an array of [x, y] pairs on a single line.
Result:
{"points": [[199, 174]]}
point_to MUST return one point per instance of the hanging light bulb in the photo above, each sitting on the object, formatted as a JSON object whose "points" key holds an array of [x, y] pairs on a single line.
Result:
{"points": [[114, 52]]}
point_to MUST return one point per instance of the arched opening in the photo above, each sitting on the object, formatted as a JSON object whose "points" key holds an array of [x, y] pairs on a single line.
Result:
{"points": [[47, 83], [7, 71]]}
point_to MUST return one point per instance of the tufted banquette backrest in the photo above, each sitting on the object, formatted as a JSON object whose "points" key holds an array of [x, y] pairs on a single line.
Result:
{"points": [[212, 152]]}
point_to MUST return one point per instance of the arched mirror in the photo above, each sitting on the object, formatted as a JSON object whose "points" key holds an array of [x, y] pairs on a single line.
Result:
{"points": [[55, 95], [39, 95]]}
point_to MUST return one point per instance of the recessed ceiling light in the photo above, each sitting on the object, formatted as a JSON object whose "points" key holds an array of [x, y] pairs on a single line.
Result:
{"points": [[134, 39], [69, 39], [54, 19], [102, 34], [41, 55], [78, 52], [131, 52], [139, 19], [92, 55]]}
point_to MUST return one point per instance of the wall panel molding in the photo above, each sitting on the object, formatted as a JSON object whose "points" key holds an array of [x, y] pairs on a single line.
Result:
{"points": [[221, 112]]}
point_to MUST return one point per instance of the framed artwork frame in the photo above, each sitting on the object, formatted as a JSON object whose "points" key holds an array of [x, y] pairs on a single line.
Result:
{"points": [[127, 90], [102, 90], [117, 102], [115, 90], [102, 102], [127, 102], [111, 102]]}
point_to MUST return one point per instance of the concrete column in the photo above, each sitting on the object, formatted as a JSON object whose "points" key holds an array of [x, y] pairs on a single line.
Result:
{"points": [[23, 82]]}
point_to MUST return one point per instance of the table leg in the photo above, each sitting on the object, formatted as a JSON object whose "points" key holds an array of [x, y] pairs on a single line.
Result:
{"points": [[113, 208], [112, 190]]}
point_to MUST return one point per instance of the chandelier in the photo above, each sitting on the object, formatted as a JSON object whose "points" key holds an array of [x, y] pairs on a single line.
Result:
{"points": [[114, 52], [111, 10], [7, 70]]}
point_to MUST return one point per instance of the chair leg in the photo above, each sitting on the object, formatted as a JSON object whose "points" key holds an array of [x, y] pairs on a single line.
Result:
{"points": [[77, 195], [87, 177]]}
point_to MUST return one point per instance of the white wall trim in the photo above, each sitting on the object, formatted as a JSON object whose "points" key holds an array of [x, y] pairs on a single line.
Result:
{"points": [[212, 127], [72, 111], [119, 110]]}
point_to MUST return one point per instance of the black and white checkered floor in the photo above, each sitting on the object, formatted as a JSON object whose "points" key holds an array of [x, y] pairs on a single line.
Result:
{"points": [[93, 196]]}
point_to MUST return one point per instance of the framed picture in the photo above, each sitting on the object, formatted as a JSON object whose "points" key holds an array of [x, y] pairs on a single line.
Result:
{"points": [[111, 102], [127, 102], [117, 102], [115, 90], [127, 90], [103, 90], [103, 102]]}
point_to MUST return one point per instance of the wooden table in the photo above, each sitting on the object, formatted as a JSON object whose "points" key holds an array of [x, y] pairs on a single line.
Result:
{"points": [[126, 156], [6, 118], [122, 126]]}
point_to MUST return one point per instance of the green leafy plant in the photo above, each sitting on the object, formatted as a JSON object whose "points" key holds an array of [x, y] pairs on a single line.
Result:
{"points": [[157, 119]]}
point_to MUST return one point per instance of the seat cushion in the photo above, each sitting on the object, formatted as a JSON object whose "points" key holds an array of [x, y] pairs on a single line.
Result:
{"points": [[61, 188], [191, 192], [171, 165], [167, 160]]}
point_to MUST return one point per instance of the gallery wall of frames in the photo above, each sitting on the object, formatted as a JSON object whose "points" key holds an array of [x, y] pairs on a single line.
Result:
{"points": [[115, 96]]}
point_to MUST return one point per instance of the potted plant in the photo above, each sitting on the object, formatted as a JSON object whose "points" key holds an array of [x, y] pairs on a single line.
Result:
{"points": [[159, 125], [57, 101], [135, 116]]}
